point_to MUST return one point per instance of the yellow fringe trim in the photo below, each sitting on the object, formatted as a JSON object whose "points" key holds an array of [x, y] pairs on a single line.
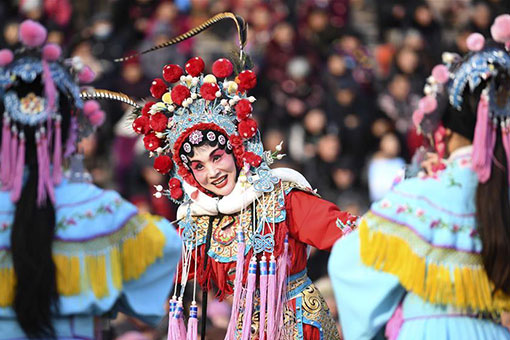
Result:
{"points": [[142, 243], [460, 281], [7, 282]]}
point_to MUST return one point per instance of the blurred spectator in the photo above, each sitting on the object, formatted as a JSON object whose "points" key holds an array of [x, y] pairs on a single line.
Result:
{"points": [[384, 166]]}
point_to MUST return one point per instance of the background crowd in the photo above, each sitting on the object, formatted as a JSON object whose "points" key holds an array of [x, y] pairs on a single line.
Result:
{"points": [[338, 81]]}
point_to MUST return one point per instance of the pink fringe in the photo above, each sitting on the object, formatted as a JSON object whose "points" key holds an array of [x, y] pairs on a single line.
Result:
{"points": [[505, 137], [193, 322], [171, 311], [41, 193], [50, 92], [248, 305], [17, 182], [238, 283], [5, 157], [57, 153], [271, 299], [394, 324], [483, 141], [263, 297], [282, 268]]}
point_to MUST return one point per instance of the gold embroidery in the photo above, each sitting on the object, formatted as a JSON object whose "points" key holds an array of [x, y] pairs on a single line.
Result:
{"points": [[316, 310]]}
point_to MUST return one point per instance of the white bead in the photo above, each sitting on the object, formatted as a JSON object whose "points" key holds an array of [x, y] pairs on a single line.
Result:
{"points": [[218, 94], [157, 194], [251, 99], [193, 95]]}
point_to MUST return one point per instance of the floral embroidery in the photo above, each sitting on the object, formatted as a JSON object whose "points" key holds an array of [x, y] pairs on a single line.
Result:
{"points": [[4, 227], [103, 209]]}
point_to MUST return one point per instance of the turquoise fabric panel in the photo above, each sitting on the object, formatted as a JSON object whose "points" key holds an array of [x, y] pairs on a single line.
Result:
{"points": [[366, 298]]}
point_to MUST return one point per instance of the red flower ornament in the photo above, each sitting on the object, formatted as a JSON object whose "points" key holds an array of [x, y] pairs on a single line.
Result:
{"points": [[141, 125], [172, 73], [222, 68], [179, 94], [247, 80], [158, 88], [252, 158], [195, 66], [208, 90], [174, 183], [236, 140], [147, 107], [247, 128], [163, 164], [243, 109], [151, 142], [158, 122], [176, 193]]}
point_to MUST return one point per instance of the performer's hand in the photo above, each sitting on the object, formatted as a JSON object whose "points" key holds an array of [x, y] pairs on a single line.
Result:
{"points": [[432, 163]]}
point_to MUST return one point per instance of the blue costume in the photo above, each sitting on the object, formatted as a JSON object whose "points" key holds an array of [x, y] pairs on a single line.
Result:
{"points": [[109, 258], [419, 246]]}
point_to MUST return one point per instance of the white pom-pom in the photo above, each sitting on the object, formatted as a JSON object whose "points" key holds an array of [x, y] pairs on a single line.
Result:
{"points": [[427, 89], [218, 94], [189, 101], [171, 108], [185, 103], [193, 95], [236, 98], [189, 78], [251, 99], [182, 78], [224, 102], [158, 187], [160, 135], [231, 102]]}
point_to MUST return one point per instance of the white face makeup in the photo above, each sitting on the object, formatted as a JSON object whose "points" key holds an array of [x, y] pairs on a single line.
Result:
{"points": [[214, 169]]}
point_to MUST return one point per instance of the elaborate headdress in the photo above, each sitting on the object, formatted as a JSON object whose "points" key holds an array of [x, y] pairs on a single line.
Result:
{"points": [[487, 63], [34, 81], [192, 101]]}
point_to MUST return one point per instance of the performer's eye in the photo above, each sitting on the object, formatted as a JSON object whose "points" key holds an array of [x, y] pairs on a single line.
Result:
{"points": [[198, 166]]}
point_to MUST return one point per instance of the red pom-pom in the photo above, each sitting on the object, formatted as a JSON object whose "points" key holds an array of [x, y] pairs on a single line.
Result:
{"points": [[222, 68], [146, 108], [90, 107], [243, 109], [141, 125], [252, 158], [176, 193], [236, 140], [179, 94], [247, 128], [32, 34], [158, 88], [151, 142], [158, 122], [174, 183], [172, 73], [86, 75], [195, 66], [6, 57], [51, 52], [208, 90], [247, 80], [163, 164]]}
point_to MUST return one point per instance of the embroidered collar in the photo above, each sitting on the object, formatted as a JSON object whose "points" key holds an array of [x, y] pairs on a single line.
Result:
{"points": [[461, 153], [241, 197]]}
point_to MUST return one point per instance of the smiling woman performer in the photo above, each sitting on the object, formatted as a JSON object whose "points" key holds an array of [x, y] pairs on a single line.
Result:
{"points": [[245, 227]]}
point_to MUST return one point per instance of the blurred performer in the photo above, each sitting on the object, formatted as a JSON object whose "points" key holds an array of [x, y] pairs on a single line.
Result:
{"points": [[431, 258], [245, 227], [69, 251]]}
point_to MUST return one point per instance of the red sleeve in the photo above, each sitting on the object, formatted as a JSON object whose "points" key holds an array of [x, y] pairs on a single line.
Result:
{"points": [[315, 221]]}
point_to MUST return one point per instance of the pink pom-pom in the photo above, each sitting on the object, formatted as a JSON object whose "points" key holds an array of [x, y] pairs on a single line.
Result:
{"points": [[97, 118], [500, 30], [32, 34], [51, 52], [90, 107], [475, 42], [86, 75], [427, 104], [6, 57], [417, 117], [441, 73]]}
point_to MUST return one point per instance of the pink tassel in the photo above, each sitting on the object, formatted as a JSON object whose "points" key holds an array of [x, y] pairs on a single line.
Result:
{"points": [[505, 137], [46, 168], [271, 298], [17, 182], [50, 92], [5, 157], [14, 152], [483, 141], [41, 193], [394, 324], [263, 297], [171, 311], [57, 152], [282, 268], [179, 329], [248, 305], [238, 283], [193, 322]]}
